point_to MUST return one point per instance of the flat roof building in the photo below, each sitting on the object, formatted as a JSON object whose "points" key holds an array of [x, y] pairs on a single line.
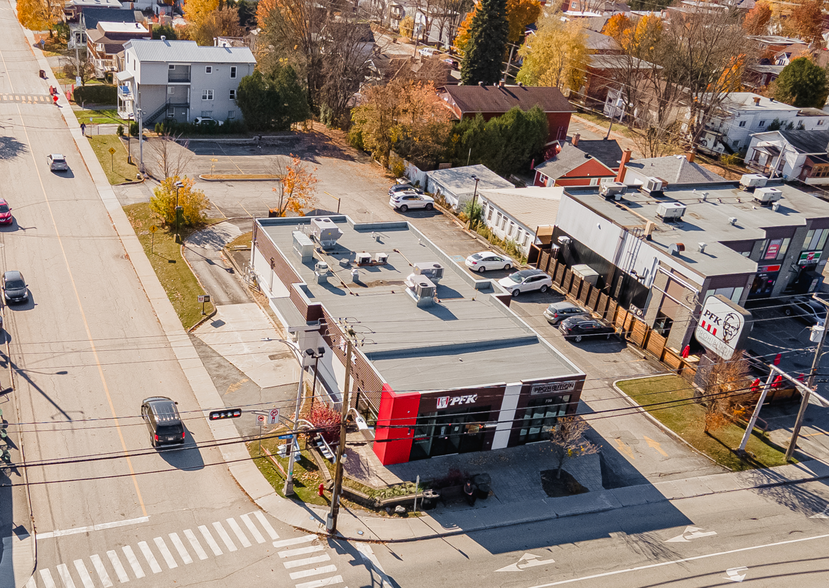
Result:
{"points": [[440, 366]]}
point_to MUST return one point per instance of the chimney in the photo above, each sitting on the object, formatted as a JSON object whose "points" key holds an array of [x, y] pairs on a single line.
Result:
{"points": [[150, 28], [620, 177], [756, 101], [163, 38], [481, 84], [576, 138], [501, 84], [690, 156]]}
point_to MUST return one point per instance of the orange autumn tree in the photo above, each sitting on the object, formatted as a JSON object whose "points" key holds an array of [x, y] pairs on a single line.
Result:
{"points": [[757, 20], [520, 14], [616, 26], [297, 190], [197, 11], [37, 15]]}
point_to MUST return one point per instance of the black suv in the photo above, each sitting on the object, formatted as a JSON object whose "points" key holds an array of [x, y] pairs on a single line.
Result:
{"points": [[163, 421]]}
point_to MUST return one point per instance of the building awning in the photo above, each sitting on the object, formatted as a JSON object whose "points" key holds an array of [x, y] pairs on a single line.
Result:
{"points": [[123, 76], [769, 150]]}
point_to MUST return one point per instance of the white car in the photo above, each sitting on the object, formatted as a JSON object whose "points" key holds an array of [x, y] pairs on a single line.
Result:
{"points": [[403, 201], [488, 260], [526, 280], [427, 51], [206, 120]]}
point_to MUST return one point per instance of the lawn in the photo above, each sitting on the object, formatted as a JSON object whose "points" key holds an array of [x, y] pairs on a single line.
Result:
{"points": [[99, 117], [115, 165], [686, 420], [164, 254], [243, 240], [605, 122]]}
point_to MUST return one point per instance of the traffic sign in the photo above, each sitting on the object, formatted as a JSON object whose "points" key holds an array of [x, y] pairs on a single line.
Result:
{"points": [[273, 416], [284, 436], [153, 228], [260, 418], [204, 298], [112, 150]]}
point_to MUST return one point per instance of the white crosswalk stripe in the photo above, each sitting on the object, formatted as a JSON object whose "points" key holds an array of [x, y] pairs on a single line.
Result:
{"points": [[182, 552], [119, 569], [210, 541], [194, 543], [297, 563], [101, 570], [266, 525], [257, 536], [294, 541], [320, 583], [65, 576], [300, 551], [133, 561], [148, 555], [238, 531], [32, 583], [86, 579], [224, 536], [165, 553], [313, 572], [46, 576]]}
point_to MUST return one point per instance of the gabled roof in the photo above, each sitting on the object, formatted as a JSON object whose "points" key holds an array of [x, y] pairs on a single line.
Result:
{"points": [[606, 151], [598, 42], [617, 62], [472, 99], [807, 141], [93, 15], [156, 50], [565, 161], [674, 169]]}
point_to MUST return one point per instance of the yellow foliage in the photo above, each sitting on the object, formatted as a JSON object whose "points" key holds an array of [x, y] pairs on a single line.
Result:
{"points": [[36, 15], [520, 14], [193, 202], [616, 26], [298, 188], [555, 56], [197, 11], [407, 27]]}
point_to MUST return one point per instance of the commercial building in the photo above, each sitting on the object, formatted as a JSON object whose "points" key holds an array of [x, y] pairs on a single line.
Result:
{"points": [[515, 214], [441, 364], [661, 253]]}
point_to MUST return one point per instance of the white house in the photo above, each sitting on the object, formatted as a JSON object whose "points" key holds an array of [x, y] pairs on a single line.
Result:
{"points": [[457, 185], [178, 80], [791, 155], [746, 113], [514, 214]]}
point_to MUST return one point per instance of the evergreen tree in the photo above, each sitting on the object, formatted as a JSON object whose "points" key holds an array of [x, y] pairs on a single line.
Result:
{"points": [[272, 102], [488, 34], [802, 84]]}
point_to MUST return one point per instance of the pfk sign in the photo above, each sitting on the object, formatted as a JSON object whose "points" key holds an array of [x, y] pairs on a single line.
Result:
{"points": [[720, 325], [447, 401]]}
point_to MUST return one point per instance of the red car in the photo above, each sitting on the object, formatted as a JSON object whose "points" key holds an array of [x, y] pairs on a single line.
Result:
{"points": [[5, 213]]}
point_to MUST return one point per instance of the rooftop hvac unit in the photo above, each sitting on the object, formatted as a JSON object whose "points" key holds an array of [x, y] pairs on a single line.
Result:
{"points": [[422, 289], [652, 185], [381, 258], [767, 195], [431, 269], [676, 248], [611, 189], [321, 270], [670, 211], [752, 181], [363, 258], [325, 231], [303, 246]]}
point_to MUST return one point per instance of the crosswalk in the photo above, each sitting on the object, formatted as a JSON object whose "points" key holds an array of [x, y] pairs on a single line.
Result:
{"points": [[26, 98], [303, 557]]}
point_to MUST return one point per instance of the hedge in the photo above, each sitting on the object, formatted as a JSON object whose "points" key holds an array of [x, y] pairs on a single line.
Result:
{"points": [[96, 94]]}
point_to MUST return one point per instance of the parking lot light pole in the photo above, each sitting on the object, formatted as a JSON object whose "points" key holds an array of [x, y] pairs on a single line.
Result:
{"points": [[315, 355], [179, 186]]}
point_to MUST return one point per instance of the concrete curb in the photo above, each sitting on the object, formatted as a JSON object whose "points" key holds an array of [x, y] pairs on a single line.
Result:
{"points": [[231, 179]]}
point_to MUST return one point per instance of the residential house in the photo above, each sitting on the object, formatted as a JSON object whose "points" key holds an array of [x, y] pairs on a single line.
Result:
{"points": [[791, 155], [599, 44], [514, 214], [760, 75], [672, 170], [744, 113], [178, 80], [596, 7], [661, 256], [107, 40], [603, 75], [84, 15], [579, 163], [790, 53], [458, 185], [496, 100]]}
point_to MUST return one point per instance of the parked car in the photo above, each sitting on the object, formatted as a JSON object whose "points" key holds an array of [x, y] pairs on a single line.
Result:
{"points": [[807, 309], [403, 201], [404, 187], [427, 51], [5, 213], [14, 287], [488, 260], [163, 421], [207, 121], [579, 327], [559, 311], [526, 280], [57, 162]]}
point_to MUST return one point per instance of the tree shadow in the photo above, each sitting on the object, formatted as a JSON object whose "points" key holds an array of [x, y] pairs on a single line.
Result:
{"points": [[11, 148]]}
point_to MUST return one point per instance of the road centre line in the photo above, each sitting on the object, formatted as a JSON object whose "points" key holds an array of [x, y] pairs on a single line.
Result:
{"points": [[98, 527], [78, 300], [683, 560]]}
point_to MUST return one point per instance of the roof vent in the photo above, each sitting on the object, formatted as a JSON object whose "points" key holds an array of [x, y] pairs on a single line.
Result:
{"points": [[749, 182], [163, 38], [775, 206], [481, 84], [704, 196], [675, 249], [702, 247], [670, 211], [767, 196], [732, 220]]}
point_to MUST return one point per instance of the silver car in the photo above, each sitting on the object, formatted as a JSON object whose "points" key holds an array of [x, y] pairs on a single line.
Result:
{"points": [[559, 311], [57, 162]]}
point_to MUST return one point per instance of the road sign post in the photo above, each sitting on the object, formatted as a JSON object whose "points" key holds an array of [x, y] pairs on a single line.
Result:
{"points": [[112, 158], [204, 299], [153, 230]]}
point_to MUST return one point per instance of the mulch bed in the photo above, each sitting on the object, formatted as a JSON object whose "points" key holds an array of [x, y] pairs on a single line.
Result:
{"points": [[566, 485]]}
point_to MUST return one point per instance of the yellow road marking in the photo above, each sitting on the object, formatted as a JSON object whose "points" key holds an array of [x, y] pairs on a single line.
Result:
{"points": [[625, 448], [655, 445], [236, 386], [80, 306]]}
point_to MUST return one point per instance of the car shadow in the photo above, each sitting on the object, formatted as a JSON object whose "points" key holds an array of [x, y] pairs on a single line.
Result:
{"points": [[28, 304], [185, 457], [9, 228], [64, 174]]}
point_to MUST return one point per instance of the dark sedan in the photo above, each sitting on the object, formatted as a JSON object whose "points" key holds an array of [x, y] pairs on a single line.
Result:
{"points": [[580, 327]]}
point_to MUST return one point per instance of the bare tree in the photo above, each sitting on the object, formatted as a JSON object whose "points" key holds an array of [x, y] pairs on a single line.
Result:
{"points": [[168, 157], [567, 441], [726, 395]]}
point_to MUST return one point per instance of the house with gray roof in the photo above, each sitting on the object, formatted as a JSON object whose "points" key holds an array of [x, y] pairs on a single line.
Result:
{"points": [[671, 169], [791, 155], [579, 163], [458, 185], [515, 214], [179, 80]]}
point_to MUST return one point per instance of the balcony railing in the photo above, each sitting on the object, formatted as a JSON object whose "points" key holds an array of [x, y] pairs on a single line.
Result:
{"points": [[178, 77]]}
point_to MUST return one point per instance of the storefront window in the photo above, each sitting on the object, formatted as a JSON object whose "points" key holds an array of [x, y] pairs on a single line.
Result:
{"points": [[540, 417], [445, 433]]}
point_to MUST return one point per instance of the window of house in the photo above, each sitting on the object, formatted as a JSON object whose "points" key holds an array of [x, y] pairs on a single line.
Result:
{"points": [[491, 212], [518, 235], [736, 143], [172, 66], [497, 219], [525, 239], [232, 71], [762, 124], [503, 222], [207, 94], [207, 113], [820, 122], [594, 181], [208, 69], [511, 229], [171, 90], [231, 114], [233, 94], [776, 249], [819, 171], [742, 123], [815, 240]]}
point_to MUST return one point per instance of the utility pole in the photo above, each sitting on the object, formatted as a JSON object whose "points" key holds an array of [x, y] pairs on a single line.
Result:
{"points": [[474, 198], [798, 423], [331, 522]]}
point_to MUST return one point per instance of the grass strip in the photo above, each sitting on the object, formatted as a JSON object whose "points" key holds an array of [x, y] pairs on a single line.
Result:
{"points": [[115, 165]]}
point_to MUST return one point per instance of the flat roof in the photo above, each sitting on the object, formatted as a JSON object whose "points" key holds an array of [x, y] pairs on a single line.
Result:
{"points": [[707, 221], [468, 339], [532, 206]]}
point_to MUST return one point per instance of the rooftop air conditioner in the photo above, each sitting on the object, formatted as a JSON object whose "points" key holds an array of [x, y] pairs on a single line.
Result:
{"points": [[670, 211], [767, 195], [421, 289], [652, 185], [611, 189], [751, 181], [431, 269], [363, 258], [381, 258], [325, 231]]}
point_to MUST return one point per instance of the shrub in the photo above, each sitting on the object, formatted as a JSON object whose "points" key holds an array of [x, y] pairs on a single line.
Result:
{"points": [[96, 94], [119, 131], [474, 212], [397, 166], [407, 26], [193, 202], [134, 129], [328, 420]]}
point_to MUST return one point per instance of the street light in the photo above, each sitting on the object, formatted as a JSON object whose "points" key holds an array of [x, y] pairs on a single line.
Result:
{"points": [[179, 186], [474, 198], [315, 355]]}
